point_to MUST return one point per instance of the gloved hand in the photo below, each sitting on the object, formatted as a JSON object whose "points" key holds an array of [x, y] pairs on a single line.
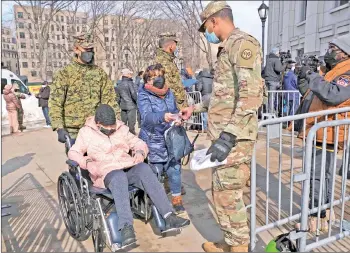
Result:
{"points": [[220, 149], [62, 133], [304, 72]]}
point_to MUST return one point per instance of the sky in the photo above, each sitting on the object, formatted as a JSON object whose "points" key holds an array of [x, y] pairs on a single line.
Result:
{"points": [[245, 14]]}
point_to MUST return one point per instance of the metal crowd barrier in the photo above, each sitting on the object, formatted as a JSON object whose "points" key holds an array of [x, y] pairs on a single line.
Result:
{"points": [[281, 160], [195, 99], [281, 103]]}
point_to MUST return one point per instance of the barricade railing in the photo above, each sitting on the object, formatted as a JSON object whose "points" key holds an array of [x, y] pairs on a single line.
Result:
{"points": [[325, 183], [281, 103], [195, 99], [280, 160]]}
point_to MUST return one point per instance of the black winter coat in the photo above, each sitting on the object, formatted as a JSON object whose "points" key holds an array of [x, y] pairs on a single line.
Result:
{"points": [[43, 96], [127, 94], [205, 83]]}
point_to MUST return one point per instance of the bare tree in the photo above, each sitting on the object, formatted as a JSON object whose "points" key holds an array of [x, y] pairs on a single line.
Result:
{"points": [[187, 14], [41, 15]]}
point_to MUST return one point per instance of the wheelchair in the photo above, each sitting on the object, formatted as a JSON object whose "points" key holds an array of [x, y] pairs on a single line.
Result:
{"points": [[87, 210]]}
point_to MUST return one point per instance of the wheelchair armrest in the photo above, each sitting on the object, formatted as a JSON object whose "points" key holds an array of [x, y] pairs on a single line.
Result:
{"points": [[72, 163]]}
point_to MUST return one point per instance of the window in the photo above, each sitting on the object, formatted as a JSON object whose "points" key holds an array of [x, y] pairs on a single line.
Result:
{"points": [[59, 55], [52, 28], [23, 45], [83, 20], [106, 39], [105, 30], [24, 55], [114, 56], [58, 37], [108, 56], [22, 35], [54, 55], [46, 17], [33, 64], [63, 37], [31, 46], [62, 18], [20, 25], [57, 28], [60, 64], [57, 19], [37, 45], [113, 64], [31, 36], [3, 82], [303, 10], [107, 48], [341, 2], [30, 25], [55, 64], [49, 64], [113, 48], [19, 14], [32, 55], [84, 29], [38, 65], [49, 73], [62, 28], [105, 21], [8, 40], [300, 52], [24, 64], [36, 36], [78, 28], [77, 20], [33, 72]]}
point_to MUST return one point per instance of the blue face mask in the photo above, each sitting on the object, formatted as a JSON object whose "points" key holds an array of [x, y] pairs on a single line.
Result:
{"points": [[211, 37], [176, 52]]}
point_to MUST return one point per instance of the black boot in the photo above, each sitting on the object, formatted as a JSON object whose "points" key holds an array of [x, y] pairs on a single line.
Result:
{"points": [[128, 235], [173, 222]]}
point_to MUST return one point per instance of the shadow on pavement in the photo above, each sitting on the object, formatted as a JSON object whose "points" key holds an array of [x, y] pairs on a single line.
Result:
{"points": [[35, 224], [15, 163], [198, 205]]}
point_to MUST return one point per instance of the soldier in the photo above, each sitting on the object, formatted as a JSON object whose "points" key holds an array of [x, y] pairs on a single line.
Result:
{"points": [[20, 113], [166, 54], [78, 89], [233, 122]]}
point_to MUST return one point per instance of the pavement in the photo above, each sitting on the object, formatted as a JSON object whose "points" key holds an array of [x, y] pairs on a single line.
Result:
{"points": [[32, 163]]}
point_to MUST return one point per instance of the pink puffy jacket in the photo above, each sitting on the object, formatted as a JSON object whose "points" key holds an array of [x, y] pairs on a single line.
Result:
{"points": [[10, 98], [107, 153]]}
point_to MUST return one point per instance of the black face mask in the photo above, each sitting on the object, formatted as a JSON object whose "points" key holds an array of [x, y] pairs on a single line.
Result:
{"points": [[159, 82], [330, 60], [87, 57], [107, 132]]}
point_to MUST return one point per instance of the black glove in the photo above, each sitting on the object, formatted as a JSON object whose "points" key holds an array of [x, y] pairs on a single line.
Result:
{"points": [[220, 149], [304, 72], [62, 134]]}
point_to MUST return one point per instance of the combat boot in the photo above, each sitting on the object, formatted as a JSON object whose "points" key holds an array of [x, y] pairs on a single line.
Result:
{"points": [[177, 204], [216, 247]]}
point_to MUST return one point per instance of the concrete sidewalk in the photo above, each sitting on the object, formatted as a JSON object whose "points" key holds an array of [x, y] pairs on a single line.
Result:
{"points": [[32, 163]]}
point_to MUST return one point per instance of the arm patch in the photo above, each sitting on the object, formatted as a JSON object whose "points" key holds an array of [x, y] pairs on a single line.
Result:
{"points": [[246, 55]]}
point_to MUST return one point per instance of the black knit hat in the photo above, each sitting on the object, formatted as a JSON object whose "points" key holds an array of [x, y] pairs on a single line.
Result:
{"points": [[105, 115]]}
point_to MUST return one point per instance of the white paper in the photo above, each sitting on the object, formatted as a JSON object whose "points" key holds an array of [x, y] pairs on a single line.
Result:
{"points": [[202, 161]]}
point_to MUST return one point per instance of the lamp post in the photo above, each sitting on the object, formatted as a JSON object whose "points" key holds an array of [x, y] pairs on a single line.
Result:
{"points": [[263, 10]]}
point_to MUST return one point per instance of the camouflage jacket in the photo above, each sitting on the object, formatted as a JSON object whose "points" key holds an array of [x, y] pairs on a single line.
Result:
{"points": [[172, 77], [76, 92], [237, 88]]}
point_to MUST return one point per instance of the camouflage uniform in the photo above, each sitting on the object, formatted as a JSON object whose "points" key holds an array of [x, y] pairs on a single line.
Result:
{"points": [[77, 90], [236, 98], [172, 74], [20, 112]]}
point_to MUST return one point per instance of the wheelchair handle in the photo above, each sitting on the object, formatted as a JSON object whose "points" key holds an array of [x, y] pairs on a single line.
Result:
{"points": [[68, 142]]}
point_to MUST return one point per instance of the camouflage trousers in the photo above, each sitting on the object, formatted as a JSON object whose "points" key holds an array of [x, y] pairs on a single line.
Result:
{"points": [[228, 184], [20, 115]]}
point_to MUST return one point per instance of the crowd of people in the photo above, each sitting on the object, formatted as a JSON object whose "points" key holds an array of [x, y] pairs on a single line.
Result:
{"points": [[86, 107]]}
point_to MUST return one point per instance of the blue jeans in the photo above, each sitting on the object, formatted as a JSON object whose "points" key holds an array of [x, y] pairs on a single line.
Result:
{"points": [[205, 120], [46, 115], [174, 175]]}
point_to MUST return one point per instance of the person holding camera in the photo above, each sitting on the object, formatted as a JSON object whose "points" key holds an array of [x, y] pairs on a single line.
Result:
{"points": [[272, 76], [324, 93]]}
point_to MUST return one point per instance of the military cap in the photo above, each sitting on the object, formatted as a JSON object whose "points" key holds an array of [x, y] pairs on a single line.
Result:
{"points": [[168, 36], [84, 40], [212, 8]]}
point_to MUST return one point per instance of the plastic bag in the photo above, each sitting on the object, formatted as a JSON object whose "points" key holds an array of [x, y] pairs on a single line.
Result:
{"points": [[201, 160]]}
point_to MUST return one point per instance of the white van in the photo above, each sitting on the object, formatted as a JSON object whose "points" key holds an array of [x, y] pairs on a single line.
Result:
{"points": [[32, 112]]}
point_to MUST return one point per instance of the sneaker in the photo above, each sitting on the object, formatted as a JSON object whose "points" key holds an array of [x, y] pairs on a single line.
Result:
{"points": [[177, 204], [173, 222], [48, 126], [128, 235]]}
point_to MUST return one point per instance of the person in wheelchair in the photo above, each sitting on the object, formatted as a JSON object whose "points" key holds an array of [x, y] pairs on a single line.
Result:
{"points": [[108, 144]]}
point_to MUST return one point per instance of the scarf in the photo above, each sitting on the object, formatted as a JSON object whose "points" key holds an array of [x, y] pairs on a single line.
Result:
{"points": [[159, 92]]}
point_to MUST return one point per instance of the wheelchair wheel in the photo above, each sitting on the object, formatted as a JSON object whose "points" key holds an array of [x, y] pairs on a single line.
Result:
{"points": [[98, 240], [71, 208]]}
